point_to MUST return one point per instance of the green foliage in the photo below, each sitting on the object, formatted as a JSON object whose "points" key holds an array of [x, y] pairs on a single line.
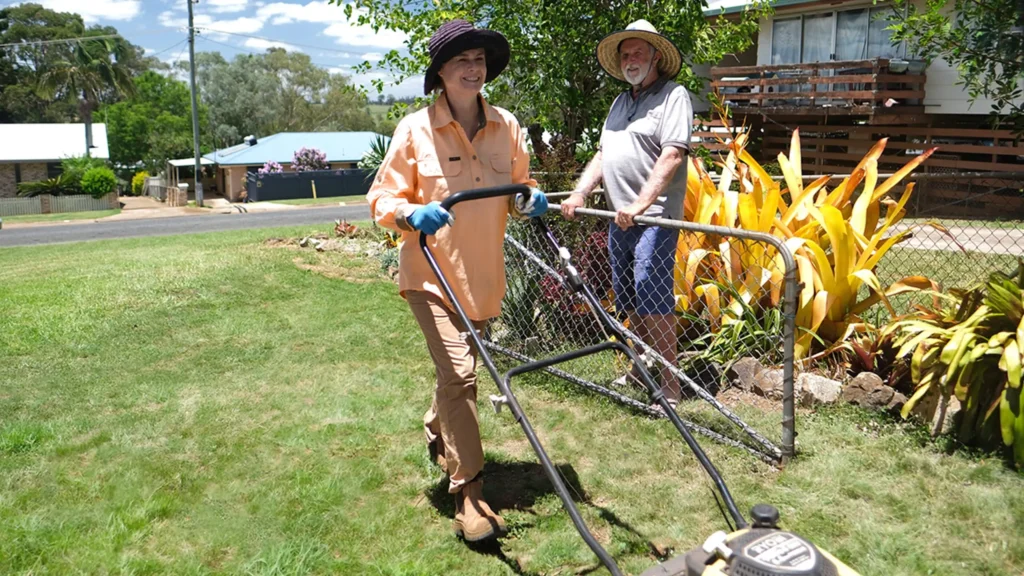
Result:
{"points": [[23, 61], [138, 182], [373, 158], [277, 91], [153, 125], [968, 344], [98, 182], [58, 186], [554, 83], [982, 39]]}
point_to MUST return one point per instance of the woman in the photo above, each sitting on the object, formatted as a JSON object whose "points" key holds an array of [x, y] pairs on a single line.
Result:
{"points": [[457, 143]]}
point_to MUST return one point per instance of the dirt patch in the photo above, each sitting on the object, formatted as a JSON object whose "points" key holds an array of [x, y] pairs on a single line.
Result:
{"points": [[733, 397], [334, 272]]}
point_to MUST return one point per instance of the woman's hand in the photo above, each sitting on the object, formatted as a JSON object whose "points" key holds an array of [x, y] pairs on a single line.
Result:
{"points": [[537, 204], [430, 218]]}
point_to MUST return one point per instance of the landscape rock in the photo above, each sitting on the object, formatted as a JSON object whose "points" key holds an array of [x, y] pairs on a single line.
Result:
{"points": [[744, 372], [868, 391], [896, 404], [769, 384], [814, 390]]}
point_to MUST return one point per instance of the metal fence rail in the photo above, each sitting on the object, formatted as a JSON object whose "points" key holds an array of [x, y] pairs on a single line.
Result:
{"points": [[542, 317]]}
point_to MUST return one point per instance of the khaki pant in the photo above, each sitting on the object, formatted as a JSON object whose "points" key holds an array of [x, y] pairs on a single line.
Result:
{"points": [[452, 415]]}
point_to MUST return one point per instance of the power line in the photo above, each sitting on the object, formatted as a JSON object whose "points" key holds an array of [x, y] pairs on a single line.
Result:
{"points": [[343, 52], [172, 46], [246, 50], [60, 41]]}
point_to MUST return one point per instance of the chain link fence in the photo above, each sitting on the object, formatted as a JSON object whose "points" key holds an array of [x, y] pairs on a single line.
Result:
{"points": [[964, 228], [701, 303]]}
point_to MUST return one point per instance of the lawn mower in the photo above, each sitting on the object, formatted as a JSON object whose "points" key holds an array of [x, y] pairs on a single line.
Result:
{"points": [[758, 549]]}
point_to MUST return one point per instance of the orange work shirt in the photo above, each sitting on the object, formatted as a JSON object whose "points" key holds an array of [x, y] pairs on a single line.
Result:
{"points": [[431, 158]]}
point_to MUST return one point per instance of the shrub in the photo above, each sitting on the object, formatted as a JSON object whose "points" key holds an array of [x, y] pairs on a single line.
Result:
{"points": [[98, 182], [58, 186], [270, 167], [309, 159], [837, 236], [968, 345], [138, 182]]}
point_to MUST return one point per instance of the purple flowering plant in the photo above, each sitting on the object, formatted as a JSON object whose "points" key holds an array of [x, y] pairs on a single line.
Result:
{"points": [[307, 159], [270, 167]]}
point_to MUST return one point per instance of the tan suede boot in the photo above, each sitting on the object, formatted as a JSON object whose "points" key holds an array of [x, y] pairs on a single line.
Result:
{"points": [[474, 519]]}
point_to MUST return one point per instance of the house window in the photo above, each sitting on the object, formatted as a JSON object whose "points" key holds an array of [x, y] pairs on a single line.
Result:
{"points": [[17, 173], [843, 35], [53, 169]]}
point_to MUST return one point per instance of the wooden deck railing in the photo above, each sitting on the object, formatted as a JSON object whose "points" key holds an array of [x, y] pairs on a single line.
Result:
{"points": [[847, 86]]}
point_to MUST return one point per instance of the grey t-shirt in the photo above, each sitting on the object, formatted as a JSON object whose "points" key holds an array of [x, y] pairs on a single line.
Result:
{"points": [[636, 131]]}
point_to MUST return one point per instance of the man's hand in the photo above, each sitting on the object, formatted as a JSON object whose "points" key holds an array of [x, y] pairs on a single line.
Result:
{"points": [[570, 204], [624, 217]]}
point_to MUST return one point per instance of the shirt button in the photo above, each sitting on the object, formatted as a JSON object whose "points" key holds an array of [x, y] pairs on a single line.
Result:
{"points": [[474, 157], [478, 179]]}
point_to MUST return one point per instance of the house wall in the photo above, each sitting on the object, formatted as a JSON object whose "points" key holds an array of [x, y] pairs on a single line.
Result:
{"points": [[942, 94], [8, 186], [33, 172]]}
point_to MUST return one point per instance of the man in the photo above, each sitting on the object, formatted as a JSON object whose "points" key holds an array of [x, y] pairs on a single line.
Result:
{"points": [[642, 162]]}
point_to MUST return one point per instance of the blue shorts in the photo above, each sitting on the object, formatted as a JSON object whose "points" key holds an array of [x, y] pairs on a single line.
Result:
{"points": [[643, 261]]}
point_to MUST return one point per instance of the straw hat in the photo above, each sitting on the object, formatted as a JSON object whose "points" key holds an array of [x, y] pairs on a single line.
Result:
{"points": [[457, 36], [608, 50]]}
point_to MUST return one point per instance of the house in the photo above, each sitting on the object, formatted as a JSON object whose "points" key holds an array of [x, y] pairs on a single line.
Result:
{"points": [[343, 150], [33, 152], [831, 69]]}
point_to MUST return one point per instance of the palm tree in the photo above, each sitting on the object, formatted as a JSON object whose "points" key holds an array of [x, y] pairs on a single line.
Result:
{"points": [[87, 71]]}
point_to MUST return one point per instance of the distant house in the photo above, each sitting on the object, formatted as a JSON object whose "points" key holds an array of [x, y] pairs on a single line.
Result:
{"points": [[343, 150], [33, 152]]}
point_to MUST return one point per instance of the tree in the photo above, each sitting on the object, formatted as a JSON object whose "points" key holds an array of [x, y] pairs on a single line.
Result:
{"points": [[277, 91], [982, 39], [87, 70], [21, 66], [153, 125], [554, 83]]}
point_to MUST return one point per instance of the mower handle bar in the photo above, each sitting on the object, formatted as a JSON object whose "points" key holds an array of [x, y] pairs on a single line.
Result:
{"points": [[481, 193]]}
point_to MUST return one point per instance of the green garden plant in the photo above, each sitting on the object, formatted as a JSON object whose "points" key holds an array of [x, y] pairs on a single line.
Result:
{"points": [[98, 182], [968, 345]]}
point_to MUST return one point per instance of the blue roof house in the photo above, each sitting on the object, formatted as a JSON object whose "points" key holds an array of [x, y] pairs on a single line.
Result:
{"points": [[343, 150]]}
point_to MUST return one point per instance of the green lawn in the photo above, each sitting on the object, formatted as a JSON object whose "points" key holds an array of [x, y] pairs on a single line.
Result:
{"points": [[90, 215], [209, 404]]}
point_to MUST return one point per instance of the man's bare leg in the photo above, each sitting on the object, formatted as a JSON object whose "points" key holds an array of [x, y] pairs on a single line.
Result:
{"points": [[660, 334]]}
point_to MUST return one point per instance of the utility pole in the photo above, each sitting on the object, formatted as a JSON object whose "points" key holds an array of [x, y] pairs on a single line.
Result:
{"points": [[195, 108]]}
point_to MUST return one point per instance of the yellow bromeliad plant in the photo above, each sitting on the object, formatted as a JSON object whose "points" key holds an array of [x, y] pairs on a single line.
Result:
{"points": [[837, 236]]}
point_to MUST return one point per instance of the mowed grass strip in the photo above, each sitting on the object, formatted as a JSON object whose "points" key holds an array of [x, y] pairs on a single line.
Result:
{"points": [[210, 404]]}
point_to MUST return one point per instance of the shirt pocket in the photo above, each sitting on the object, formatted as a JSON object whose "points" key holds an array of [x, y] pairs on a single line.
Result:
{"points": [[646, 125], [502, 164], [434, 176]]}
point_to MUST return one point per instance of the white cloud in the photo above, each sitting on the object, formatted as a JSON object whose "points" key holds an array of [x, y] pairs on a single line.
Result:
{"points": [[208, 25], [260, 44], [363, 36], [319, 12], [224, 6], [94, 10], [372, 56]]}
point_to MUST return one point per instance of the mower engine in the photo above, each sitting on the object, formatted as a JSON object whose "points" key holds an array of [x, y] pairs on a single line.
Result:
{"points": [[762, 550]]}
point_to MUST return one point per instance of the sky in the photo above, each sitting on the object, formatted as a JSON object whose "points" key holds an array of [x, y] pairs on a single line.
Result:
{"points": [[232, 27]]}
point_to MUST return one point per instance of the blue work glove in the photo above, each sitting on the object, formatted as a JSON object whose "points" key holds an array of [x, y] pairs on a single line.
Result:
{"points": [[430, 218], [535, 205]]}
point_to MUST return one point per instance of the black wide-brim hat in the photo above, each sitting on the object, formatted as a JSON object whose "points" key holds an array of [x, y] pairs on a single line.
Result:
{"points": [[457, 36]]}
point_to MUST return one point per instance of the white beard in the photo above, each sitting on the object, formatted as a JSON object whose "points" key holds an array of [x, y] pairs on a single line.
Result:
{"points": [[637, 78]]}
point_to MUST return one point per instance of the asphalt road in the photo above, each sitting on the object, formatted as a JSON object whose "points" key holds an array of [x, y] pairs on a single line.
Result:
{"points": [[75, 232]]}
